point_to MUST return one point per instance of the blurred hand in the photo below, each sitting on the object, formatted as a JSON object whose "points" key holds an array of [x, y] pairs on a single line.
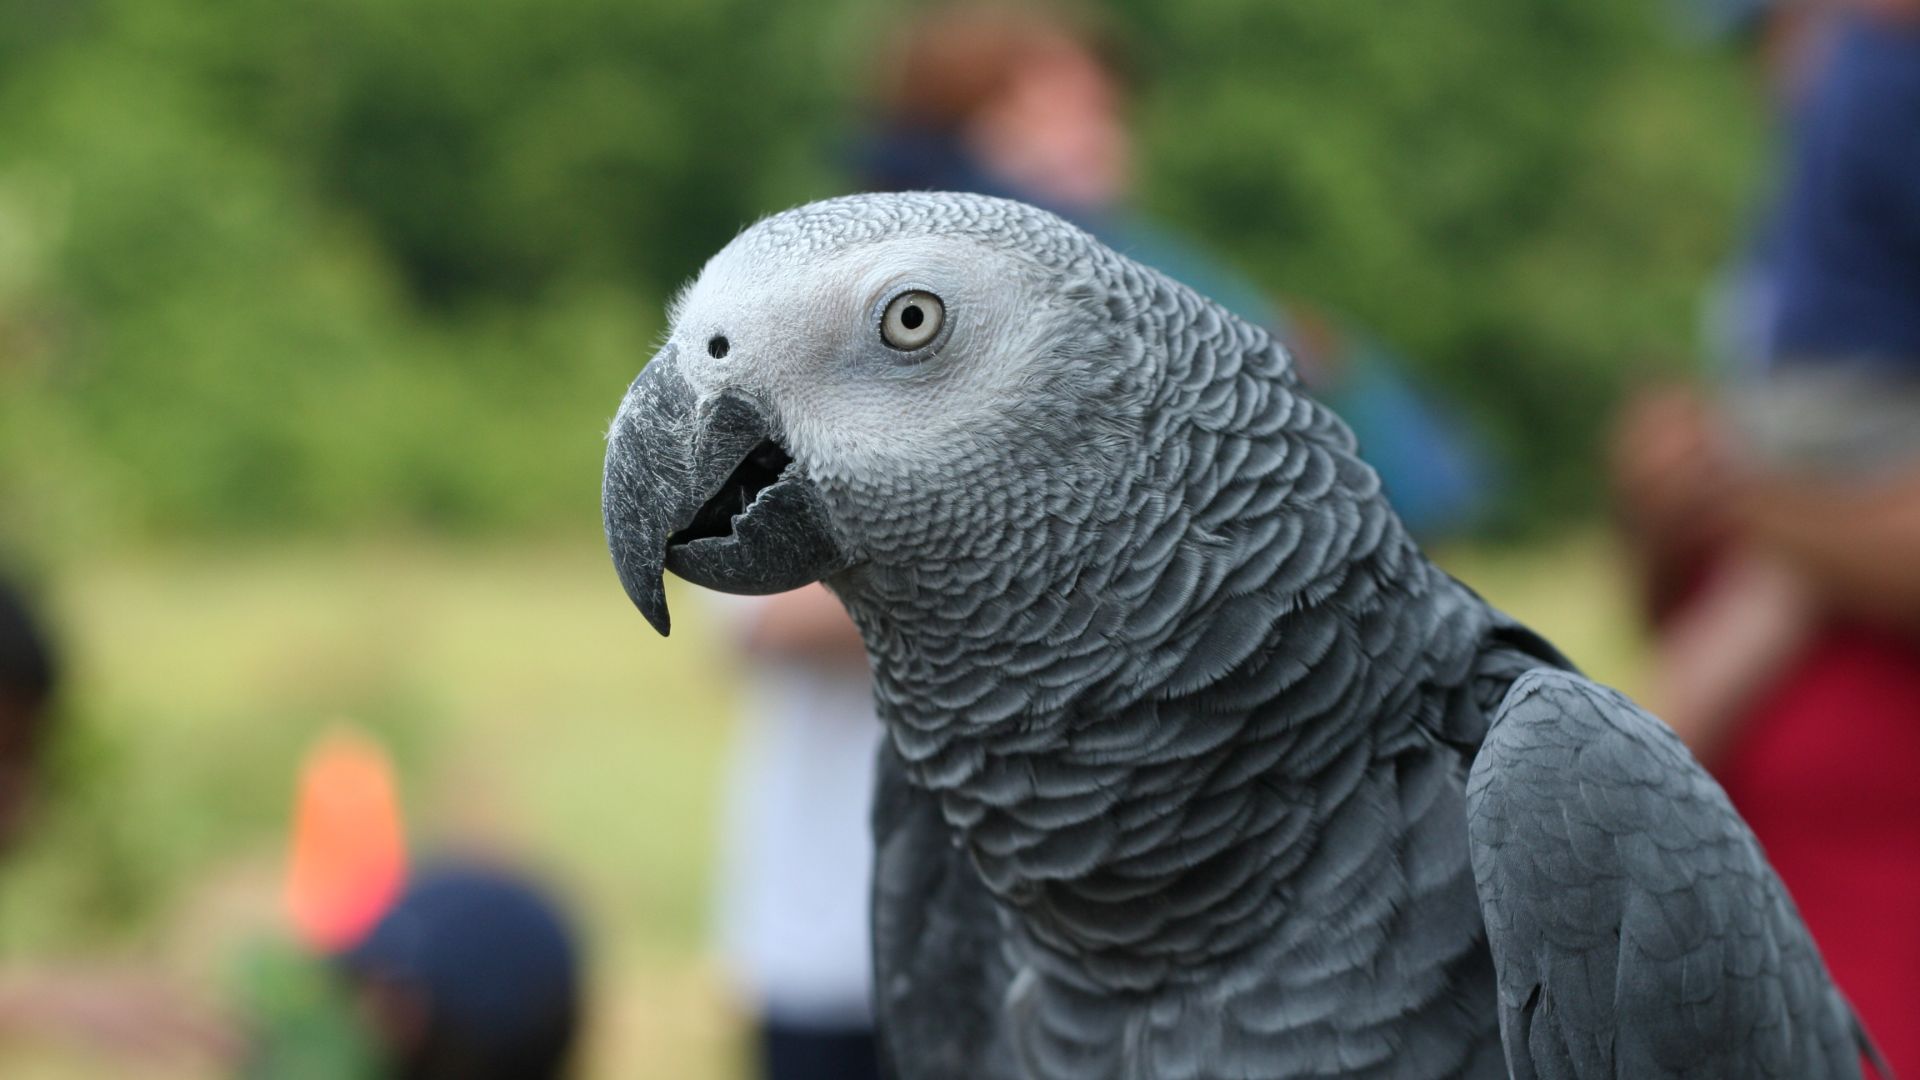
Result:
{"points": [[1855, 541], [1725, 647], [1672, 473]]}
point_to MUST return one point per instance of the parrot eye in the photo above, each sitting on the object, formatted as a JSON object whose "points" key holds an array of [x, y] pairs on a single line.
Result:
{"points": [[912, 319]]}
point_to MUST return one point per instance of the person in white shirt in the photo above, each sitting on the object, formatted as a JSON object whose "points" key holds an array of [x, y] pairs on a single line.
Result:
{"points": [[797, 847]]}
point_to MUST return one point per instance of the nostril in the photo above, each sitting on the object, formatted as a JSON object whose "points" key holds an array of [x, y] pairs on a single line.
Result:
{"points": [[717, 346]]}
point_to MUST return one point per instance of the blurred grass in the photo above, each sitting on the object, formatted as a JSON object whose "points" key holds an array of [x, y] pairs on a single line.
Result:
{"points": [[529, 709]]}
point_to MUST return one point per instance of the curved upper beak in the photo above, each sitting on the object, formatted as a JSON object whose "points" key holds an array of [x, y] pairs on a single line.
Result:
{"points": [[703, 487]]}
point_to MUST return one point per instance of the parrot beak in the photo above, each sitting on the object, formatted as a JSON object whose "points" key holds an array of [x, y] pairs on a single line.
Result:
{"points": [[703, 488]]}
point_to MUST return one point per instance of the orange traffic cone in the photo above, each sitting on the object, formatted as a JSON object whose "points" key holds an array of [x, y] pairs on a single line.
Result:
{"points": [[348, 858]]}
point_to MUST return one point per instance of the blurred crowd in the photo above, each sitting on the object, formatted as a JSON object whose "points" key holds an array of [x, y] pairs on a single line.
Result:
{"points": [[1771, 507]]}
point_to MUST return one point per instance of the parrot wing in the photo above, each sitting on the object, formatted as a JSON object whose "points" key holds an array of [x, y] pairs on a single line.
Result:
{"points": [[1636, 927]]}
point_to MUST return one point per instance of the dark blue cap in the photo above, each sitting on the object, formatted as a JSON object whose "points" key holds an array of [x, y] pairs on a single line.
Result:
{"points": [[493, 961]]}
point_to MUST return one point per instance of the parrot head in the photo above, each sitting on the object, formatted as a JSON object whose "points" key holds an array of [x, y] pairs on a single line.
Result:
{"points": [[883, 385]]}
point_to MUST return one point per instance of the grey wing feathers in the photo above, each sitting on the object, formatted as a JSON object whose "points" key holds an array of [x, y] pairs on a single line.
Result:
{"points": [[1635, 926], [940, 975]]}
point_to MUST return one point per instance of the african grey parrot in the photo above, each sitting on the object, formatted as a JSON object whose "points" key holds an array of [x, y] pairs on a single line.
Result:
{"points": [[1195, 766]]}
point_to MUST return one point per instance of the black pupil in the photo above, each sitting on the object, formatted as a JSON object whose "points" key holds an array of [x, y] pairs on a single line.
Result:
{"points": [[717, 347], [912, 317]]}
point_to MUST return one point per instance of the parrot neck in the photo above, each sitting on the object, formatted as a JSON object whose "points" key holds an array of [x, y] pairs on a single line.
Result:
{"points": [[1188, 714], [1147, 794]]}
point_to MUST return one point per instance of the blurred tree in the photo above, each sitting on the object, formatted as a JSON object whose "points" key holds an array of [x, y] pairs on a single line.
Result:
{"points": [[364, 264], [1526, 197]]}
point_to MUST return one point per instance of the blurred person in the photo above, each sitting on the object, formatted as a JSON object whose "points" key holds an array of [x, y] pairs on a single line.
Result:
{"points": [[1030, 103], [1777, 522], [472, 974], [465, 969], [798, 849], [27, 679]]}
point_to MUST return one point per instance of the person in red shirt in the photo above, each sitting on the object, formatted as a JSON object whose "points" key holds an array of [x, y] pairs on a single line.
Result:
{"points": [[1777, 525]]}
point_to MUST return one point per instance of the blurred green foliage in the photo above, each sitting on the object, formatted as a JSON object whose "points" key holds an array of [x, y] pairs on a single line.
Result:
{"points": [[1527, 198], [301, 1018], [371, 264]]}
